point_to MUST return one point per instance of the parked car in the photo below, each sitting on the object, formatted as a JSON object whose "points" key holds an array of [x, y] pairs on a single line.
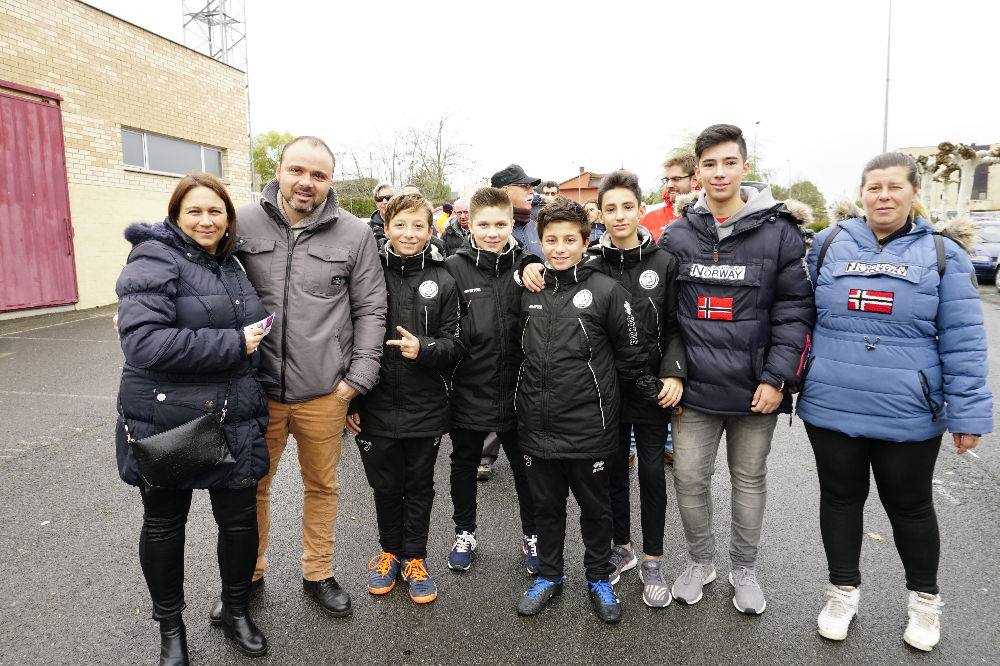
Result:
{"points": [[986, 252]]}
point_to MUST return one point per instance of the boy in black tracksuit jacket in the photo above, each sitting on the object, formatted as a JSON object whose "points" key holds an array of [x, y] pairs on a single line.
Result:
{"points": [[399, 423], [483, 391], [578, 336]]}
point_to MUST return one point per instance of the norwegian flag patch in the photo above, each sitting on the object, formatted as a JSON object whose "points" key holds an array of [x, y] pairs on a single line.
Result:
{"points": [[864, 300], [715, 307]]}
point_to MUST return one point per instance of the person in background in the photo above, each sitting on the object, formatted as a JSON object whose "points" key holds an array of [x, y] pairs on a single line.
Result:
{"points": [[678, 180], [442, 220], [518, 187], [550, 190], [382, 193], [457, 229], [597, 227], [183, 305], [898, 302]]}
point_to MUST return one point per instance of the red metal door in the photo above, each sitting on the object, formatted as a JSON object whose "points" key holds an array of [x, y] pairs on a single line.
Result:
{"points": [[37, 267]]}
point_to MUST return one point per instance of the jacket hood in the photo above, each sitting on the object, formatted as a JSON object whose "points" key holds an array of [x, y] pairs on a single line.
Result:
{"points": [[615, 256], [756, 201], [845, 209], [576, 273], [410, 265], [328, 215], [166, 232], [962, 230], [859, 230], [490, 261]]}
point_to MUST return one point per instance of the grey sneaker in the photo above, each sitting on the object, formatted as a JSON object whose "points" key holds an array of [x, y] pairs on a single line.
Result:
{"points": [[655, 591], [687, 587], [747, 595], [622, 559]]}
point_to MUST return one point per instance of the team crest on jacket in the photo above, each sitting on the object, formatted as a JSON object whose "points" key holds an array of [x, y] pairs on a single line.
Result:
{"points": [[864, 300], [715, 307], [583, 298], [428, 288], [517, 278], [649, 279]]}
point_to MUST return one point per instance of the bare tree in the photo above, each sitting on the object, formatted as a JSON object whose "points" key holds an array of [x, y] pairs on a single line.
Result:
{"points": [[965, 158]]}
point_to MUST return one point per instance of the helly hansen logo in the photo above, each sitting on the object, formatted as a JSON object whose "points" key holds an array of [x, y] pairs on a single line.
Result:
{"points": [[867, 269], [863, 300], [535, 306], [598, 467], [633, 332], [474, 290], [715, 307], [527, 460], [364, 444], [717, 272]]}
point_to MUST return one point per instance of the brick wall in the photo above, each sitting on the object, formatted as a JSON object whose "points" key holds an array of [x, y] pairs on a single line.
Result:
{"points": [[111, 74]]}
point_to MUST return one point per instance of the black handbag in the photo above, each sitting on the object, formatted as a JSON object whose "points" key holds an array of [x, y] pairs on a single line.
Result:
{"points": [[170, 458]]}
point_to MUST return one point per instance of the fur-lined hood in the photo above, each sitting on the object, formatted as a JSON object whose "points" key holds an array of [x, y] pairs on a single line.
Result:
{"points": [[167, 233], [799, 211], [962, 230]]}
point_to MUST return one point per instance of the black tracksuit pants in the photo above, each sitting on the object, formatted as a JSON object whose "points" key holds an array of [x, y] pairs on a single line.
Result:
{"points": [[161, 545], [649, 441], [401, 474], [466, 452], [550, 482], [903, 472]]}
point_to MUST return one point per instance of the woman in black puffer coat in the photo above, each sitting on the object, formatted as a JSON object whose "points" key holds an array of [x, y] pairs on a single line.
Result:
{"points": [[183, 304]]}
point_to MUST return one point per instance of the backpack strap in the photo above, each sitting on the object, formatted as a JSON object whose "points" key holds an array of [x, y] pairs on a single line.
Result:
{"points": [[939, 250], [824, 247]]}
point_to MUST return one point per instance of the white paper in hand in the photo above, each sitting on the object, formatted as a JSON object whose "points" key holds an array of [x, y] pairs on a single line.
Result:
{"points": [[263, 323]]}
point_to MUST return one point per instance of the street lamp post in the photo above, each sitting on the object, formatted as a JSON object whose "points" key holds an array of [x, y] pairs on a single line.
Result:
{"points": [[888, 53]]}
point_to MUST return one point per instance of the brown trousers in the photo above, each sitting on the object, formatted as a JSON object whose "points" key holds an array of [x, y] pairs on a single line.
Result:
{"points": [[318, 426]]}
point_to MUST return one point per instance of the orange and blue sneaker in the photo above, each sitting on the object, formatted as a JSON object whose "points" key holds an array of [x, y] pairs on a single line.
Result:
{"points": [[422, 587], [382, 571]]}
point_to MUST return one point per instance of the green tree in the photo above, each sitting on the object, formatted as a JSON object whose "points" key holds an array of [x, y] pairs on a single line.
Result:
{"points": [[266, 149], [806, 192], [355, 195], [654, 197]]}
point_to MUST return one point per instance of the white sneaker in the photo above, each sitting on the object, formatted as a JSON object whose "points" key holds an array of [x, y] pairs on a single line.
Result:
{"points": [[923, 631], [841, 607]]}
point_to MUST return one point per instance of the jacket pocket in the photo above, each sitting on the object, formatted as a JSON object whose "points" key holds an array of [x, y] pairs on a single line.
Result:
{"points": [[925, 388], [721, 292], [325, 269], [176, 404], [259, 259]]}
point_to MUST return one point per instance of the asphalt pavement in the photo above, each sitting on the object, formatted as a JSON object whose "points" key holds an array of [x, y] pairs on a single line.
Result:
{"points": [[71, 590]]}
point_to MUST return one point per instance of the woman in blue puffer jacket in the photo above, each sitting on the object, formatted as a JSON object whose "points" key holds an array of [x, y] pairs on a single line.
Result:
{"points": [[183, 304], [898, 358]]}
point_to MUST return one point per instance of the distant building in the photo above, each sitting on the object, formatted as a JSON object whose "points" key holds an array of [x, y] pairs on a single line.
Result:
{"points": [[581, 188], [99, 119], [985, 186]]}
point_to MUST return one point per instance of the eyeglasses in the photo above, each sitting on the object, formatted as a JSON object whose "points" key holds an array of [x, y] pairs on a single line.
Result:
{"points": [[675, 179], [383, 198]]}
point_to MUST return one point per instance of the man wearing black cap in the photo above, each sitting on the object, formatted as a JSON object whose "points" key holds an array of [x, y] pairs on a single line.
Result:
{"points": [[518, 187]]}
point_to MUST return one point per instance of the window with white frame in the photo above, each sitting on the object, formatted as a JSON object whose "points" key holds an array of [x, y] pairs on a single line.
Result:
{"points": [[145, 151]]}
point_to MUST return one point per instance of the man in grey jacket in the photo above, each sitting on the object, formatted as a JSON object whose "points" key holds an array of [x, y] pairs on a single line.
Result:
{"points": [[316, 267]]}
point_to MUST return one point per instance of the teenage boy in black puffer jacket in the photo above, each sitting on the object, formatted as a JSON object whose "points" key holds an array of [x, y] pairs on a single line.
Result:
{"points": [[483, 400], [579, 335], [399, 423]]}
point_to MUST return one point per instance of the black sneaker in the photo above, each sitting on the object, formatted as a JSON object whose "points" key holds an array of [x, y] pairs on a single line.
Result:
{"points": [[329, 595], [215, 615], [605, 601], [538, 595]]}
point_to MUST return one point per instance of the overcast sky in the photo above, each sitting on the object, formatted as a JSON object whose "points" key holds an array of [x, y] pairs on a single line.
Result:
{"points": [[559, 85]]}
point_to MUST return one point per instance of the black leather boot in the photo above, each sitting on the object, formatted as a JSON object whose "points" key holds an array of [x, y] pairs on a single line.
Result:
{"points": [[244, 634], [215, 614], [330, 595], [173, 642]]}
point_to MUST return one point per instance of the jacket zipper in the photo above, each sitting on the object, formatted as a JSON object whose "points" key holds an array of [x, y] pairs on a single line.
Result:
{"points": [[926, 389], [502, 341], [656, 310], [291, 240], [520, 369], [590, 355]]}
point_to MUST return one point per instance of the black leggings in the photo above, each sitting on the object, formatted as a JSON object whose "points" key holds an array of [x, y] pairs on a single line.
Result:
{"points": [[903, 473], [161, 545], [649, 441]]}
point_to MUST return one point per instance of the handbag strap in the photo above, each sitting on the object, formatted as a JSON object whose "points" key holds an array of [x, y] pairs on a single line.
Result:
{"points": [[222, 414]]}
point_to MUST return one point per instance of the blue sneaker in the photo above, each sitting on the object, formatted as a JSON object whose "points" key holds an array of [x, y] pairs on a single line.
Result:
{"points": [[538, 595], [382, 571], [463, 552], [529, 550], [605, 601], [422, 587]]}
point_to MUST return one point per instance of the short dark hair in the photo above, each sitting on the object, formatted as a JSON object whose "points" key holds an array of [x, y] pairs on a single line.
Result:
{"points": [[406, 202], [550, 183], [313, 141], [489, 197], [190, 182], [562, 209], [716, 134], [620, 179], [685, 161]]}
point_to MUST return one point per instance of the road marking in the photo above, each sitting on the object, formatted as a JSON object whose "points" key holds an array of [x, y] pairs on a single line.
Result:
{"points": [[62, 323], [948, 496], [6, 354], [58, 395], [15, 337]]}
